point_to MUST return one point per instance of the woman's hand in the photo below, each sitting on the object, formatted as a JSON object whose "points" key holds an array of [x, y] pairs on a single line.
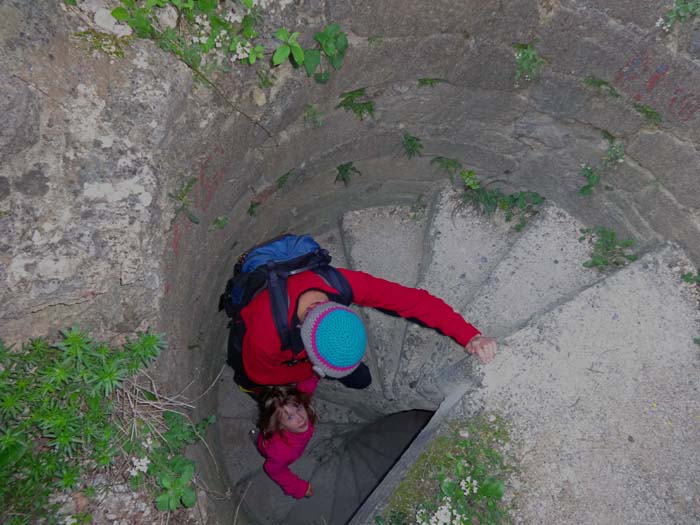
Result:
{"points": [[484, 347], [309, 491]]}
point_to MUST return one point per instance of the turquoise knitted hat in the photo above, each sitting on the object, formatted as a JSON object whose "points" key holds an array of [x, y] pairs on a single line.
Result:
{"points": [[334, 338]]}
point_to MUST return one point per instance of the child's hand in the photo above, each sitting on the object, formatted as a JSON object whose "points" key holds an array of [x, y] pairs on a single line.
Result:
{"points": [[309, 491], [484, 347]]}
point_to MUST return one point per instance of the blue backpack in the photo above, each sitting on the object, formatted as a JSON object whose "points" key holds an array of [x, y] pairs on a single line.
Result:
{"points": [[268, 265]]}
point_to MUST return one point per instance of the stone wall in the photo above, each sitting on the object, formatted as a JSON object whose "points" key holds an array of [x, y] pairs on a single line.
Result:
{"points": [[92, 145]]}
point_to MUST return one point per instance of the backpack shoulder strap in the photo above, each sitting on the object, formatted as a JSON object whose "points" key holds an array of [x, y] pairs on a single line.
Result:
{"points": [[279, 303], [338, 281]]}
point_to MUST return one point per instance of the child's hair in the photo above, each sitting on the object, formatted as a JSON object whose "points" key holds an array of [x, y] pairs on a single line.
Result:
{"points": [[271, 404]]}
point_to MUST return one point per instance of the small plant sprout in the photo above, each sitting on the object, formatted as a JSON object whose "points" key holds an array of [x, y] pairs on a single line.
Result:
{"points": [[650, 114], [430, 82], [334, 45], [592, 179], [602, 86], [282, 181], [375, 40], [682, 10], [690, 278], [528, 63], [219, 223], [613, 157], [313, 117], [608, 250], [358, 102], [696, 340], [253, 208], [450, 166], [182, 197], [345, 173], [290, 48], [468, 177], [412, 145]]}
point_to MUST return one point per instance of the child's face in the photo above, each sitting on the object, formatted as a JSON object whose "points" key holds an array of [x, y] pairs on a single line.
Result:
{"points": [[294, 418]]}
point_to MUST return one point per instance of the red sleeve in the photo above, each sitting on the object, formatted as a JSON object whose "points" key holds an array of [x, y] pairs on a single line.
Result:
{"points": [[290, 483], [410, 303]]}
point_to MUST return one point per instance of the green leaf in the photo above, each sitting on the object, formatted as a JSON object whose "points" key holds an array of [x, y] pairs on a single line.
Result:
{"points": [[312, 58], [189, 498], [131, 4], [297, 54], [162, 502], [247, 3], [282, 34], [120, 14], [71, 2], [341, 47], [281, 54]]}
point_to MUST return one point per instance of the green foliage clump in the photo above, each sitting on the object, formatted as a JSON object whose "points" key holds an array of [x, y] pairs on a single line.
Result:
{"points": [[210, 36], [528, 62], [690, 278], [412, 145], [608, 250], [602, 86], [652, 116], [358, 102], [614, 155], [462, 473], [522, 205], [219, 223], [313, 116], [430, 82], [253, 208], [682, 10], [182, 197], [345, 173], [332, 44], [60, 419]]}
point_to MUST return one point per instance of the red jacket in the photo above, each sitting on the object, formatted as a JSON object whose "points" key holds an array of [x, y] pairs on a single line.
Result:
{"points": [[283, 449], [263, 359]]}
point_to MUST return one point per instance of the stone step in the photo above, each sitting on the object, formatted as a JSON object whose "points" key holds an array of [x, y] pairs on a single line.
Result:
{"points": [[386, 242], [318, 509], [603, 392], [465, 246], [543, 267]]}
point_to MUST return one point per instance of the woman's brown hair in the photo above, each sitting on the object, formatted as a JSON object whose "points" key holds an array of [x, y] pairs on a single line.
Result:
{"points": [[271, 406]]}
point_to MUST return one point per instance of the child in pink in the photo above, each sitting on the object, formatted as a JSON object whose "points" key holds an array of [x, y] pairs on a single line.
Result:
{"points": [[286, 426]]}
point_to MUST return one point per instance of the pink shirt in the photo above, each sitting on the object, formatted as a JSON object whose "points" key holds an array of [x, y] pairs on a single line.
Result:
{"points": [[284, 448]]}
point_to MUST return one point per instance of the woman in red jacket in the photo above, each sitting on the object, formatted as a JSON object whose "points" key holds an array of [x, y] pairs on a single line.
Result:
{"points": [[266, 363]]}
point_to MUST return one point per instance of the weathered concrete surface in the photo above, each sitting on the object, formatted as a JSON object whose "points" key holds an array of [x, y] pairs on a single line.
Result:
{"points": [[398, 233], [603, 396], [542, 268]]}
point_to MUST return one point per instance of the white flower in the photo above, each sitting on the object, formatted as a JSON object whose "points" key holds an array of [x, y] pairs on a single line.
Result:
{"points": [[140, 465], [492, 418], [469, 486], [233, 18], [660, 21], [69, 520], [242, 51], [464, 434], [148, 443]]}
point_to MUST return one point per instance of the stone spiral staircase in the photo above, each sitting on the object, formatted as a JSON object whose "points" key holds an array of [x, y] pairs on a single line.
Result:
{"points": [[598, 374]]}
